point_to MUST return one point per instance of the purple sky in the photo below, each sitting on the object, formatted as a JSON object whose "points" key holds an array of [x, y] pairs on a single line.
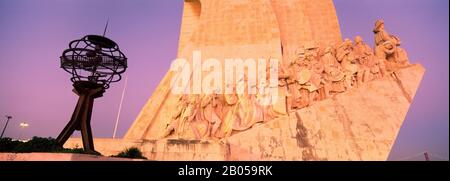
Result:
{"points": [[33, 34]]}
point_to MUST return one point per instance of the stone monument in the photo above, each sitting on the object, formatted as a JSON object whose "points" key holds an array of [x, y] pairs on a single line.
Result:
{"points": [[337, 99]]}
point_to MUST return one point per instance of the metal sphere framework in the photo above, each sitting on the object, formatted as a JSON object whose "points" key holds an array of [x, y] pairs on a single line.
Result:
{"points": [[95, 59]]}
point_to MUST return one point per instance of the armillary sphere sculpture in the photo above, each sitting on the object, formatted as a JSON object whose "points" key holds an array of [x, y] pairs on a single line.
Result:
{"points": [[94, 62]]}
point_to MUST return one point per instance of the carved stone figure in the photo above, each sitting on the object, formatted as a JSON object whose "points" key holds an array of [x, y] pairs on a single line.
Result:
{"points": [[316, 82], [188, 116], [245, 113], [172, 125], [333, 73], [387, 48], [382, 36], [292, 77], [230, 101], [364, 57], [347, 59], [211, 109], [265, 98]]}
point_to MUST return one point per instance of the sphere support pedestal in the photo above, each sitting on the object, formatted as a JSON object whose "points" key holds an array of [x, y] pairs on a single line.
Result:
{"points": [[81, 117]]}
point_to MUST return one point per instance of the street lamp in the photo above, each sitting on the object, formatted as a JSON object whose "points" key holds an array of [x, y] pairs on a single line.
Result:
{"points": [[22, 125], [7, 121]]}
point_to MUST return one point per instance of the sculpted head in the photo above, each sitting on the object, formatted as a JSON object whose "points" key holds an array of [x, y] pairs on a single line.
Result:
{"points": [[379, 25], [347, 43], [358, 40]]}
